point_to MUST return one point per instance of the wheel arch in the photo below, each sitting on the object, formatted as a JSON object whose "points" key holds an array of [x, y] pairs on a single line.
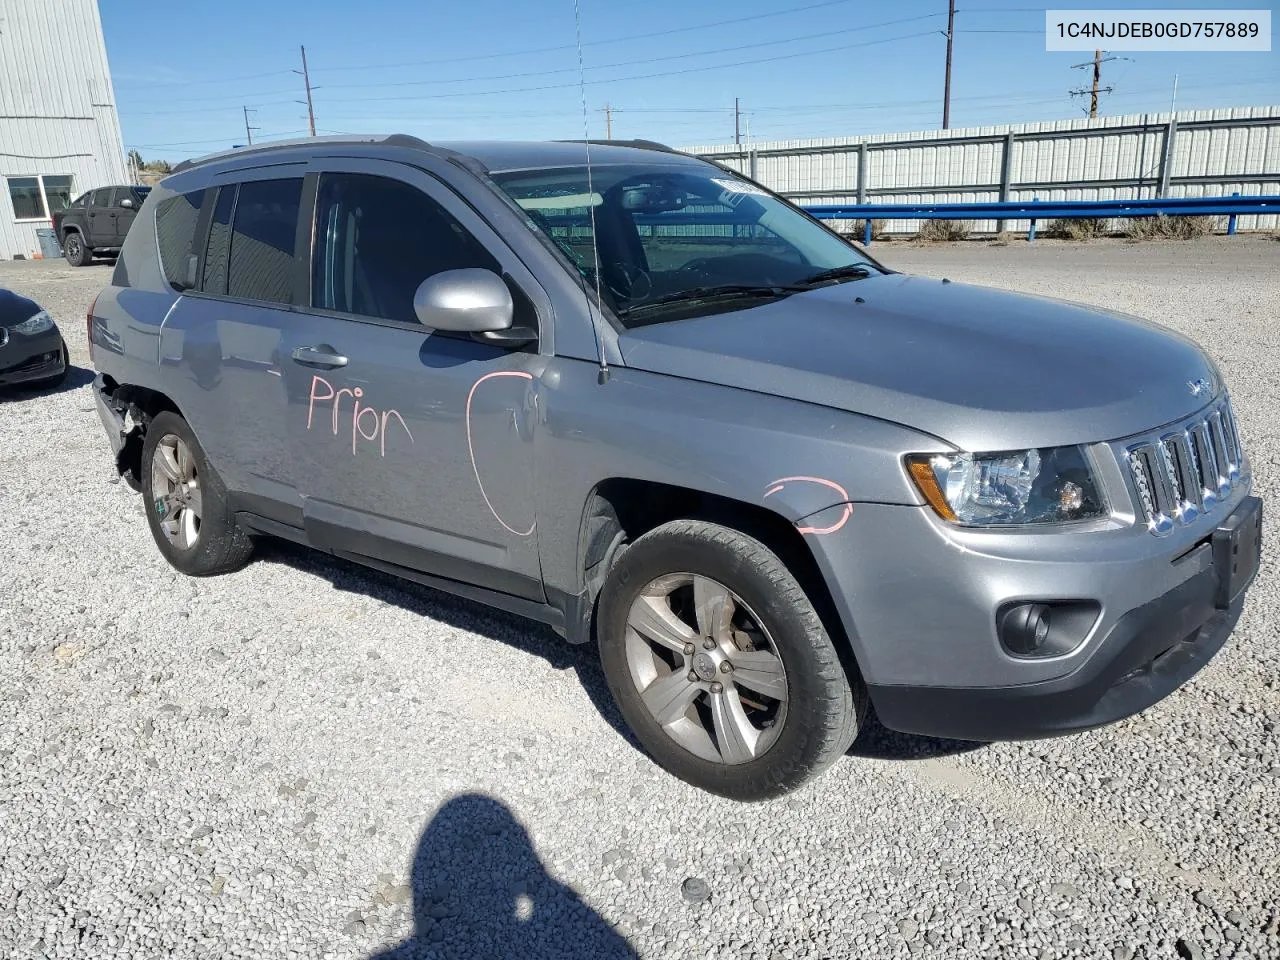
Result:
{"points": [[139, 405], [619, 510]]}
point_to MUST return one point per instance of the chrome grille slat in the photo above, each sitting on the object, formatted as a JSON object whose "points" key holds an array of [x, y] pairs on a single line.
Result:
{"points": [[1188, 471]]}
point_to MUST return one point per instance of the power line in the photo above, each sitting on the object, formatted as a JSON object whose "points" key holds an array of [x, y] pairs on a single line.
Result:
{"points": [[629, 38], [640, 76], [642, 60]]}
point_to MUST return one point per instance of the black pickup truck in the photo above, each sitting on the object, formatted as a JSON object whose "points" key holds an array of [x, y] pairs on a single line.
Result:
{"points": [[97, 221]]}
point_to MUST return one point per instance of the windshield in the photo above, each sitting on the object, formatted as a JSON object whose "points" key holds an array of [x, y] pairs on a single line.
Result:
{"points": [[679, 241]]}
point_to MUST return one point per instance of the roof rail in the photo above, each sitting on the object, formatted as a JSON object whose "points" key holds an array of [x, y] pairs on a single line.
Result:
{"points": [[637, 144], [391, 140]]}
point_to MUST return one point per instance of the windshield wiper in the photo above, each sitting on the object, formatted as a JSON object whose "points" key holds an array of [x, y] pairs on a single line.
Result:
{"points": [[715, 292], [850, 271]]}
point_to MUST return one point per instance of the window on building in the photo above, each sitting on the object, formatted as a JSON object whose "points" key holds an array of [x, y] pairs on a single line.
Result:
{"points": [[262, 240], [377, 240], [175, 235], [57, 192], [39, 197]]}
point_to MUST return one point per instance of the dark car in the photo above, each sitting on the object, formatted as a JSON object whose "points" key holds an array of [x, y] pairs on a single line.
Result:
{"points": [[97, 221], [32, 350]]}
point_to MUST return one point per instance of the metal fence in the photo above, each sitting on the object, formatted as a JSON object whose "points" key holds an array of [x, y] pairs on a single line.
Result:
{"points": [[1140, 156], [1233, 208]]}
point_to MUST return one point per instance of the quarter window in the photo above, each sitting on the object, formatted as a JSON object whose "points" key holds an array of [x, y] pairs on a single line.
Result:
{"points": [[175, 235], [218, 251], [377, 239], [265, 225], [38, 197]]}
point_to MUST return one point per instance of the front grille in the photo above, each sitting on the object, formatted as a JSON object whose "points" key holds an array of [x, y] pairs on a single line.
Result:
{"points": [[1186, 471]]}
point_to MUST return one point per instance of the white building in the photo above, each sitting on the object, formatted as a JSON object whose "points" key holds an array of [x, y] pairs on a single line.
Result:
{"points": [[59, 131]]}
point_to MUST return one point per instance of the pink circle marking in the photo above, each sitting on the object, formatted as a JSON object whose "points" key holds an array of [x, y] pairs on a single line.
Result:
{"points": [[844, 495], [471, 449]]}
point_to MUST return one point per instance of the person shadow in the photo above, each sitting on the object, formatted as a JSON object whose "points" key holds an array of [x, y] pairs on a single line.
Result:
{"points": [[480, 890]]}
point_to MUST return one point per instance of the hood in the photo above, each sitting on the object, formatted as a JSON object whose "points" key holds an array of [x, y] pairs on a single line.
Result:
{"points": [[982, 369], [15, 308]]}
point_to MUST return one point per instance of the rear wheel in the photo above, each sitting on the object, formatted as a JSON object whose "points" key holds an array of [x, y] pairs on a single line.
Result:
{"points": [[186, 502], [74, 249], [721, 665]]}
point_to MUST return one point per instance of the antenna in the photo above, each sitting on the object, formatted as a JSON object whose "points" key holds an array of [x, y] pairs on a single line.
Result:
{"points": [[603, 376]]}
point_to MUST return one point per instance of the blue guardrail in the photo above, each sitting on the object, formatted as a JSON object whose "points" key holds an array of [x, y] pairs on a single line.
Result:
{"points": [[1033, 210]]}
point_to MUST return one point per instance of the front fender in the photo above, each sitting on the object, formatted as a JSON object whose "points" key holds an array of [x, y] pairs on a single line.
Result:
{"points": [[796, 459]]}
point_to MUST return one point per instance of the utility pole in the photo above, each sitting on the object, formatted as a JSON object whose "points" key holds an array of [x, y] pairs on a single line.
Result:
{"points": [[248, 130], [306, 79], [737, 123], [608, 122], [946, 94], [1097, 62]]}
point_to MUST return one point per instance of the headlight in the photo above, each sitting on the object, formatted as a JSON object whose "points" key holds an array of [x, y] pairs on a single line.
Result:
{"points": [[1046, 485], [33, 325]]}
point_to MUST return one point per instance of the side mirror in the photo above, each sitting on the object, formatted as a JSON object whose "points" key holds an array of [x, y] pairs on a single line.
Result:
{"points": [[127, 203], [472, 300]]}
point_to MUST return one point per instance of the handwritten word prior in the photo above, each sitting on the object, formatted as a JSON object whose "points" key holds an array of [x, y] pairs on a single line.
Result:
{"points": [[363, 418]]}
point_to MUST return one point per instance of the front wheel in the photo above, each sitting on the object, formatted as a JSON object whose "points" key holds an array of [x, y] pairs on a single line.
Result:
{"points": [[186, 503], [74, 249], [720, 664]]}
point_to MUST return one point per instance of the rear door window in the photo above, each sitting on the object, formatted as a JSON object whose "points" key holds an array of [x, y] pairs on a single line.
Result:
{"points": [[260, 265], [176, 220]]}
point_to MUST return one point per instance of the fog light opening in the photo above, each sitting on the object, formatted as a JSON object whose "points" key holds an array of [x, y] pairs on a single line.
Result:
{"points": [[1045, 628], [1025, 628]]}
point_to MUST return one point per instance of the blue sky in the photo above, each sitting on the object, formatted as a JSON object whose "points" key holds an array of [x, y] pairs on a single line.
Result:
{"points": [[669, 68]]}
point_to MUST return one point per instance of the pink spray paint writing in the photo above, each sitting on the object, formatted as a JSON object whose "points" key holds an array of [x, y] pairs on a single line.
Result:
{"points": [[361, 416]]}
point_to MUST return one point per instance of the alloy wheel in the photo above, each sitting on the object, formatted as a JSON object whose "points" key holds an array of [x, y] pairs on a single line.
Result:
{"points": [[175, 486], [706, 668]]}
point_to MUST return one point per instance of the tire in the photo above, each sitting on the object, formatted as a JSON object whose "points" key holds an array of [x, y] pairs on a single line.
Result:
{"points": [[193, 526], [796, 735], [74, 249]]}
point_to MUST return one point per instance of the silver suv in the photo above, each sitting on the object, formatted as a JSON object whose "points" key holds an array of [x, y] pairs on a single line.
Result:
{"points": [[635, 396]]}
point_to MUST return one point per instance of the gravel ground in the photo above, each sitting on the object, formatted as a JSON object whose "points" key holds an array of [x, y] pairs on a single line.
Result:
{"points": [[305, 759]]}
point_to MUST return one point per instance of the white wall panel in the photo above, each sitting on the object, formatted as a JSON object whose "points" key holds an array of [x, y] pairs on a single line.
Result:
{"points": [[920, 166], [57, 106]]}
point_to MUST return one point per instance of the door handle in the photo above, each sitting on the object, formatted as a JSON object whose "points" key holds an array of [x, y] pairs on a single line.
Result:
{"points": [[319, 356]]}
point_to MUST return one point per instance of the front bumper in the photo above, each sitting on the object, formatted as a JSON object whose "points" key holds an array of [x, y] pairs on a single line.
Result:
{"points": [[919, 600], [26, 359], [1149, 653]]}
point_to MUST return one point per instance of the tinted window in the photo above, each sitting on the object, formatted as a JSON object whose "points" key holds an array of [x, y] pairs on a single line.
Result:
{"points": [[377, 240], [266, 220], [25, 194], [175, 234], [101, 198], [216, 254], [57, 189]]}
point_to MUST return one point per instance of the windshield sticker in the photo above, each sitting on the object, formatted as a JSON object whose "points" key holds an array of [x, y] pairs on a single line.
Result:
{"points": [[738, 187], [573, 201]]}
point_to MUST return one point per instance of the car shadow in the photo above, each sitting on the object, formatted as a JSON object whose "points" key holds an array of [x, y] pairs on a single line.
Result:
{"points": [[878, 742], [523, 634], [76, 378], [479, 889]]}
